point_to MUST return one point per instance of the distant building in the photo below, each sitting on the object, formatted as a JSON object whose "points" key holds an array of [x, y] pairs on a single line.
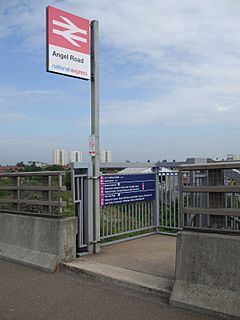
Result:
{"points": [[37, 164], [106, 156], [75, 156], [7, 169], [233, 157], [60, 157]]}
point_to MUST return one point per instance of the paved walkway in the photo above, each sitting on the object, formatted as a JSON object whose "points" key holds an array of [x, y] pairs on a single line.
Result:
{"points": [[146, 264], [29, 294], [153, 255]]}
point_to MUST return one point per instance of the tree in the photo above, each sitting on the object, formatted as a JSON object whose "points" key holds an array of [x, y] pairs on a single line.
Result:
{"points": [[32, 168], [20, 164], [54, 167], [67, 180]]}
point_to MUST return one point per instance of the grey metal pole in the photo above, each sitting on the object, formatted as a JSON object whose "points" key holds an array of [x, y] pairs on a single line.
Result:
{"points": [[95, 132], [156, 202]]}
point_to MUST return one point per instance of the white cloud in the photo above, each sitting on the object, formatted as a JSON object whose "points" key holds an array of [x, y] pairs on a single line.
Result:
{"points": [[192, 46], [186, 27], [13, 117], [185, 56], [31, 105], [194, 106], [13, 92]]}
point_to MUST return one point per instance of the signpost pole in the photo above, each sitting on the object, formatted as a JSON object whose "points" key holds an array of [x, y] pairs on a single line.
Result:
{"points": [[95, 132]]}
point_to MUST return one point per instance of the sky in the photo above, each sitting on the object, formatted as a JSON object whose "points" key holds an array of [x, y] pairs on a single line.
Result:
{"points": [[169, 81]]}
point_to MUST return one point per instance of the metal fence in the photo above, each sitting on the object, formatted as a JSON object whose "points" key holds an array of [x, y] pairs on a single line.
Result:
{"points": [[169, 218], [126, 219], [210, 197], [137, 218], [38, 193], [200, 196]]}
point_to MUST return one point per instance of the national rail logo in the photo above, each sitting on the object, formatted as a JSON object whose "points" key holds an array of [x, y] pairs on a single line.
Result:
{"points": [[68, 42]]}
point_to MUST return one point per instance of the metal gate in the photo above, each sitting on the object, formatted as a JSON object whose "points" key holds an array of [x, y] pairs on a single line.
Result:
{"points": [[125, 221], [82, 198]]}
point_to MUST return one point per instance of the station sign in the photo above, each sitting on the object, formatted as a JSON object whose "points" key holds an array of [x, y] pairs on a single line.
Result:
{"points": [[125, 188], [68, 44]]}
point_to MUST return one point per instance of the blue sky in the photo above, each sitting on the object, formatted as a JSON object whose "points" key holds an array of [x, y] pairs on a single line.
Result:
{"points": [[169, 81]]}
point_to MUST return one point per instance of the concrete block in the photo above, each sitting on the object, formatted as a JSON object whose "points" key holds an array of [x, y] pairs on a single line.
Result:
{"points": [[40, 260], [38, 241], [208, 274]]}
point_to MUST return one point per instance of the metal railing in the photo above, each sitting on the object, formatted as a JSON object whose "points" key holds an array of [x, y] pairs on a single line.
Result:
{"points": [[125, 219], [210, 196], [120, 222], [134, 218], [200, 196], [169, 218], [38, 193]]}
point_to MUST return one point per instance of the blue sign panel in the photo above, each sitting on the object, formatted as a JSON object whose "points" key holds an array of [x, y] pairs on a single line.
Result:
{"points": [[125, 188]]}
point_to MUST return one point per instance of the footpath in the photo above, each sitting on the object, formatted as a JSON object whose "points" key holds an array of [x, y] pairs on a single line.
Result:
{"points": [[30, 294]]}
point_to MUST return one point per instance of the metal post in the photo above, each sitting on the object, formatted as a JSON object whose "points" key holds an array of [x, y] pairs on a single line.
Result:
{"points": [[95, 132], [180, 198], [156, 202], [88, 209]]}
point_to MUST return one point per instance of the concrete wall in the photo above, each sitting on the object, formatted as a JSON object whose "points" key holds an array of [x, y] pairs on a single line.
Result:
{"points": [[208, 274], [37, 241]]}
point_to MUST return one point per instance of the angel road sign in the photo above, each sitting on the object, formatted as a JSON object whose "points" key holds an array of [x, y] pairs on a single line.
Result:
{"points": [[68, 44]]}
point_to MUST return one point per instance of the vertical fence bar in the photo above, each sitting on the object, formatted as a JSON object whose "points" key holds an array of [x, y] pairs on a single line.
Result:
{"points": [[18, 194], [138, 216], [142, 216], [59, 194], [166, 206], [180, 197], [122, 219], [111, 214], [118, 214], [145, 214], [135, 216], [80, 180], [170, 200], [129, 219], [174, 200], [103, 221], [156, 201], [162, 201], [107, 221], [126, 217], [49, 194], [115, 220], [149, 214]]}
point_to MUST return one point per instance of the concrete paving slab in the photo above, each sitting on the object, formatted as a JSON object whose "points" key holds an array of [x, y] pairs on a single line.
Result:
{"points": [[145, 264], [120, 276], [153, 255]]}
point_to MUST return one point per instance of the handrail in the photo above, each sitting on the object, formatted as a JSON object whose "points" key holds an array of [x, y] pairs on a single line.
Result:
{"points": [[38, 193], [210, 201]]}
